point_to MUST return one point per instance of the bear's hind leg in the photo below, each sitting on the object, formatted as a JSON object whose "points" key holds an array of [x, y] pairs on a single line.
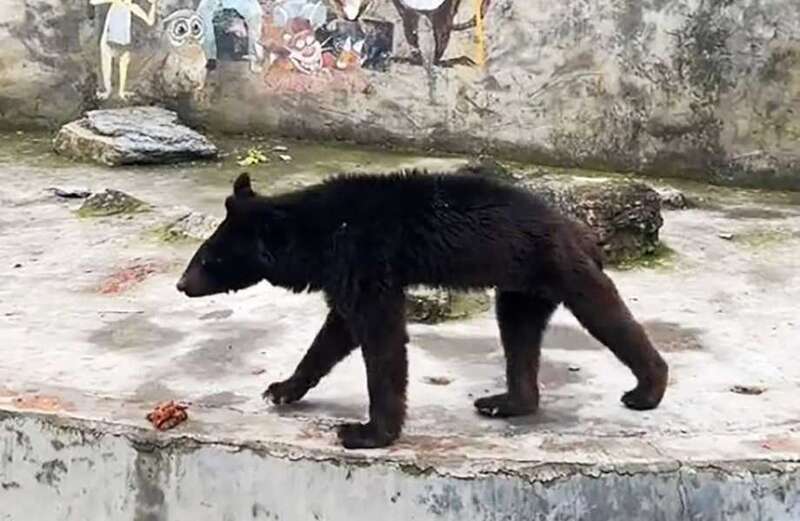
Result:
{"points": [[331, 345], [380, 326], [593, 299], [522, 319]]}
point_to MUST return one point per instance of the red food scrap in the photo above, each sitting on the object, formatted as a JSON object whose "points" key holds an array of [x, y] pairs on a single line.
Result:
{"points": [[126, 278], [168, 415]]}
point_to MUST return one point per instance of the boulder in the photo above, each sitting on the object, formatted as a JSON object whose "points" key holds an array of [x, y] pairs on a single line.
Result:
{"points": [[433, 305], [624, 215], [192, 226], [134, 135], [489, 167], [672, 199]]}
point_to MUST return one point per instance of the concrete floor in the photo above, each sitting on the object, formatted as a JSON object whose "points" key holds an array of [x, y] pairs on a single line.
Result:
{"points": [[724, 311]]}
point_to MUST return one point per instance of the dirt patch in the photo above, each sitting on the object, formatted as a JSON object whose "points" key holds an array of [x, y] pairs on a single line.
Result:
{"points": [[134, 332], [765, 237], [126, 278], [437, 445], [667, 337], [751, 390], [437, 380], [752, 212], [671, 337], [554, 375], [217, 315], [228, 349], [462, 349], [783, 444], [39, 402]]}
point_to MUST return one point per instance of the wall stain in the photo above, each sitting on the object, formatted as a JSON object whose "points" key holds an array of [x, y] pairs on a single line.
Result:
{"points": [[149, 500], [52, 472]]}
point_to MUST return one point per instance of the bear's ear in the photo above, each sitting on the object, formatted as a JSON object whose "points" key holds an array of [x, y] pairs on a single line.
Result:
{"points": [[241, 187]]}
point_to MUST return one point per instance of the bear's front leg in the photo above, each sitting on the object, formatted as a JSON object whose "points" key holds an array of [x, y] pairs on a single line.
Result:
{"points": [[331, 345], [381, 327]]}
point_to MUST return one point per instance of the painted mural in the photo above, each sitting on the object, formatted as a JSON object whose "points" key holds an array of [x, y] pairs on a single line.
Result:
{"points": [[310, 48], [178, 64], [292, 45], [115, 41], [236, 31], [442, 16]]}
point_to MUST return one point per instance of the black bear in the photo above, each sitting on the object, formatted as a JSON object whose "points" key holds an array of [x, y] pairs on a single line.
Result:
{"points": [[362, 239]]}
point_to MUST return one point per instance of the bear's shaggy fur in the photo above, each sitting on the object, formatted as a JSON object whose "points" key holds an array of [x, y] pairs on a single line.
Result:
{"points": [[362, 239]]}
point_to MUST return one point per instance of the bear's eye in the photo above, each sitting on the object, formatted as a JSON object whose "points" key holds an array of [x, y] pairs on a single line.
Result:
{"points": [[212, 261]]}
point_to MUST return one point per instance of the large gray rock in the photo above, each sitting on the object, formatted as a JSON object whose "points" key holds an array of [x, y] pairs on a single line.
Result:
{"points": [[191, 226], [673, 199], [489, 167], [624, 215], [134, 135]]}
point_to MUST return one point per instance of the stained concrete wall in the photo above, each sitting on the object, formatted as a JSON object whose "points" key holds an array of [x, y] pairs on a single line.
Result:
{"points": [[696, 88], [59, 469]]}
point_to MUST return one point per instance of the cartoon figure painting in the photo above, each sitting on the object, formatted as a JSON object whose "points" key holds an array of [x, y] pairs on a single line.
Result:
{"points": [[351, 55], [442, 15], [365, 44], [310, 49], [115, 40], [178, 65], [237, 19], [302, 48], [294, 36]]}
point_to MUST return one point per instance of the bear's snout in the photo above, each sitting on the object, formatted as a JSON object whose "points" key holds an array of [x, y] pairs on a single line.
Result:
{"points": [[196, 283]]}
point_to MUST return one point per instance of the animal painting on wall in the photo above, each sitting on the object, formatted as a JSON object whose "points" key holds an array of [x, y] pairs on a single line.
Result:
{"points": [[178, 65], [294, 45], [310, 49], [442, 16], [234, 31]]}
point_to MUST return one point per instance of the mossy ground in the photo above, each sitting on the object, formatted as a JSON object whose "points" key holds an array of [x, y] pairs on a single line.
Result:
{"points": [[662, 258], [765, 237]]}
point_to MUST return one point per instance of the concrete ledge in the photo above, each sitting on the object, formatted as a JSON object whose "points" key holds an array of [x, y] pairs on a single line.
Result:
{"points": [[55, 467]]}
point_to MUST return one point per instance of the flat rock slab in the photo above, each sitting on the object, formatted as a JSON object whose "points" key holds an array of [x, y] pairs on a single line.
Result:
{"points": [[111, 202], [134, 135]]}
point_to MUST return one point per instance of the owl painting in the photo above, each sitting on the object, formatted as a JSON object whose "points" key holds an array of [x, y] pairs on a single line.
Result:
{"points": [[178, 66]]}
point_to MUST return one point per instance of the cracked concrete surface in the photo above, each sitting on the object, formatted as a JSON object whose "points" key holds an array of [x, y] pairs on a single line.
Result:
{"points": [[81, 367]]}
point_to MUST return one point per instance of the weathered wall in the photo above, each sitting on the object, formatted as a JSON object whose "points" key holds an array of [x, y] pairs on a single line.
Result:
{"points": [[55, 469], [698, 88]]}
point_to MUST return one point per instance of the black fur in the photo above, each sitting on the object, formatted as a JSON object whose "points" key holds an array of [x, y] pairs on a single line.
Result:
{"points": [[362, 239]]}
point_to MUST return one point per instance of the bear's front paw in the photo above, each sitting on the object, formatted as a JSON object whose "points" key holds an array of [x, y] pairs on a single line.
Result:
{"points": [[504, 406], [364, 436], [288, 391], [642, 398]]}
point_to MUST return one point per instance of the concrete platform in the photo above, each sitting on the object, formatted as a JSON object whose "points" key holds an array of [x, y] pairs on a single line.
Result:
{"points": [[84, 358]]}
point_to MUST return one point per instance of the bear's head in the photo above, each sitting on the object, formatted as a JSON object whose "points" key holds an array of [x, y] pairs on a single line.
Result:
{"points": [[236, 256]]}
